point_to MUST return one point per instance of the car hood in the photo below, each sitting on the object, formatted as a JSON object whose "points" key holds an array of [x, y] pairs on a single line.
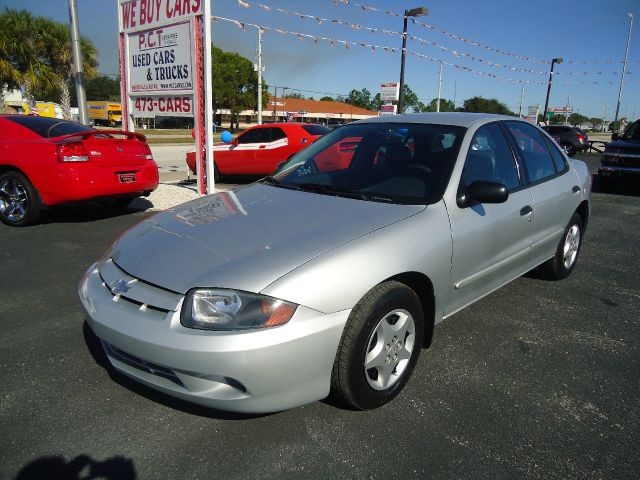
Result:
{"points": [[246, 239]]}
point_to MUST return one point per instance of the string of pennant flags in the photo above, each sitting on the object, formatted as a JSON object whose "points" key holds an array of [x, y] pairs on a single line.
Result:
{"points": [[316, 39], [413, 38], [369, 8]]}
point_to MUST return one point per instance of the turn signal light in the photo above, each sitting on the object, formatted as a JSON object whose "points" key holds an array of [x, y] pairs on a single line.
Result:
{"points": [[72, 152]]}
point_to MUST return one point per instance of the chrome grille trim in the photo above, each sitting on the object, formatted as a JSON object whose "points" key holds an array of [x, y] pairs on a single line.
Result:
{"points": [[137, 291]]}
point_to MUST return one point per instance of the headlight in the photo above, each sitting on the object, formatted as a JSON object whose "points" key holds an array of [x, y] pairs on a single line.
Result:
{"points": [[216, 309]]}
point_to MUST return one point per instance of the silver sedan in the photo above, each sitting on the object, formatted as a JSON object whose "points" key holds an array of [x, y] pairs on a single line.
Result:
{"points": [[329, 277]]}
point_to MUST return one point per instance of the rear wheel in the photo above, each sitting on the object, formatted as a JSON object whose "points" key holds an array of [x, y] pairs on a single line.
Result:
{"points": [[19, 201], [568, 149], [566, 257], [379, 348]]}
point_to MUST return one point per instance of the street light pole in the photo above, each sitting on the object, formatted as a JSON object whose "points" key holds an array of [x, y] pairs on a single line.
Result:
{"points": [[439, 86], [546, 103], [624, 68], [259, 75], [414, 12], [77, 62]]}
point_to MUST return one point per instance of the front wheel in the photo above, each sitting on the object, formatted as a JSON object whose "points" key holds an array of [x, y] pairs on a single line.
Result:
{"points": [[379, 347], [566, 257], [19, 201]]}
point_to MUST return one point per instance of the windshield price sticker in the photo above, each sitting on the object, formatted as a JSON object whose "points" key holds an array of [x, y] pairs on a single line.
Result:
{"points": [[160, 60], [163, 105]]}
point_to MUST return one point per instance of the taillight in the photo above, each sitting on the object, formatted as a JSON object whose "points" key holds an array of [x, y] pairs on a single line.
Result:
{"points": [[147, 152], [581, 137], [72, 152]]}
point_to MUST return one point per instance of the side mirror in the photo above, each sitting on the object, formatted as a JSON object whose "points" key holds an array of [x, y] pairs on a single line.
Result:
{"points": [[482, 192], [615, 136]]}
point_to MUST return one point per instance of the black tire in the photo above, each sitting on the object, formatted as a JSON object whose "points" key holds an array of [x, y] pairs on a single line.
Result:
{"points": [[351, 383], [568, 149], [559, 266], [19, 201]]}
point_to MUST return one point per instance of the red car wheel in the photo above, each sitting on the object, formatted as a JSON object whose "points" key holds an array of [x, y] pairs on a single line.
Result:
{"points": [[19, 201]]}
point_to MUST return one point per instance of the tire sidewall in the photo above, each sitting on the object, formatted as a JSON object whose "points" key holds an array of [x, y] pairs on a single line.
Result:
{"points": [[397, 298], [562, 271]]}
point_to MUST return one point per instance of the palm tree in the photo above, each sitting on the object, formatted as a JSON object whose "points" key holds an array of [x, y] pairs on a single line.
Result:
{"points": [[58, 55], [21, 40]]}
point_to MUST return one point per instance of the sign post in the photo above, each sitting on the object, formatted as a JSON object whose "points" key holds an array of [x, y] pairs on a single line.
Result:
{"points": [[165, 65]]}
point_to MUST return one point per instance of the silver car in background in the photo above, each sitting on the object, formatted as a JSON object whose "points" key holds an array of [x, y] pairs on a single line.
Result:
{"points": [[329, 276]]}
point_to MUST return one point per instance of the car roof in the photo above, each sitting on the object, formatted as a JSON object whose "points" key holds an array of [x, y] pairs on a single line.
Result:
{"points": [[459, 119]]}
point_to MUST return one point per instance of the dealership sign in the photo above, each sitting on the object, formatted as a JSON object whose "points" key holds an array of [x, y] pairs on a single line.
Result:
{"points": [[143, 14], [389, 91], [160, 60], [166, 69]]}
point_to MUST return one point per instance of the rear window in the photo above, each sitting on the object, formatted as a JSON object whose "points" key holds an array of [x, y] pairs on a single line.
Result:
{"points": [[49, 127], [316, 129]]}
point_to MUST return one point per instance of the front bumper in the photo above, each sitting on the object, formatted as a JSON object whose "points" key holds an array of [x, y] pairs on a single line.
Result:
{"points": [[243, 371]]}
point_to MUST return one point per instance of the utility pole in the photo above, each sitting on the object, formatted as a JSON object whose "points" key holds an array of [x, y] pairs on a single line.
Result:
{"points": [[77, 62], [284, 112], [624, 68], [566, 111], [439, 85], [546, 103], [604, 119], [521, 101], [275, 102], [259, 76], [414, 12]]}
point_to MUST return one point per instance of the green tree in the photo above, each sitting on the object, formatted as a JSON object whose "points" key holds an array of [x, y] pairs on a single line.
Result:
{"points": [[327, 99], [576, 119], [102, 87], [236, 83], [21, 43], [57, 53], [411, 103], [485, 105], [596, 123], [359, 98], [445, 105], [295, 95]]}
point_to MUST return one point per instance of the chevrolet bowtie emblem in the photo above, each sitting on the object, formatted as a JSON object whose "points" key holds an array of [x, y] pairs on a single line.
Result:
{"points": [[119, 287]]}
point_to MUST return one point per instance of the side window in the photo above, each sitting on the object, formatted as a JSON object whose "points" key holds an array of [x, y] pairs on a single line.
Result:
{"points": [[558, 160], [277, 134], [490, 159], [258, 135], [533, 150]]}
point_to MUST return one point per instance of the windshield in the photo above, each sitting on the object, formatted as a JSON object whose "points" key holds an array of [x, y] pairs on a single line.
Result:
{"points": [[633, 132], [386, 162]]}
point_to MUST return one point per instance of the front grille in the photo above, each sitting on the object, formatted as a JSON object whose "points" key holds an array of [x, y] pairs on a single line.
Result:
{"points": [[145, 296], [140, 364]]}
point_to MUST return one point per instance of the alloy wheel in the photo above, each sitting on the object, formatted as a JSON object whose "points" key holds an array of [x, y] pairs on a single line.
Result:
{"points": [[389, 349], [14, 202]]}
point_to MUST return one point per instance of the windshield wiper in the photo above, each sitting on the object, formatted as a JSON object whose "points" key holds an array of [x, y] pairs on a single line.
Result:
{"points": [[277, 183], [342, 192]]}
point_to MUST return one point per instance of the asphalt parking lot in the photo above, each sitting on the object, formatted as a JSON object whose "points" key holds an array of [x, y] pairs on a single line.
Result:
{"points": [[539, 380]]}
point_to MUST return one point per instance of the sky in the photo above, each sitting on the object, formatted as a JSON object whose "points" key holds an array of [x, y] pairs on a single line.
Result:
{"points": [[589, 35]]}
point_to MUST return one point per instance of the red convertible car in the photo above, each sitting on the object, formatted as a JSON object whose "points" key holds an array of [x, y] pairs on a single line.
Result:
{"points": [[260, 149], [48, 161]]}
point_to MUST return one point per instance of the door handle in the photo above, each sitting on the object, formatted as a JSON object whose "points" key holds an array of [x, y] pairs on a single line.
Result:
{"points": [[262, 146], [575, 189], [526, 210]]}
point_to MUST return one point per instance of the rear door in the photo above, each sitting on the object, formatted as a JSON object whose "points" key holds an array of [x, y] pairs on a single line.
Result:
{"points": [[554, 187]]}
